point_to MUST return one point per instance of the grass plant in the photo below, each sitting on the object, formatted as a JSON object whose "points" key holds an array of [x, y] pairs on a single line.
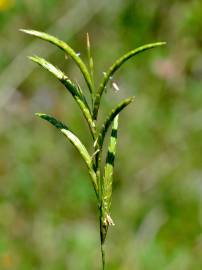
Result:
{"points": [[101, 177]]}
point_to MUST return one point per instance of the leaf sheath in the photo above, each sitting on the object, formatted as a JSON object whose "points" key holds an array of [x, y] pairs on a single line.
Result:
{"points": [[108, 180]]}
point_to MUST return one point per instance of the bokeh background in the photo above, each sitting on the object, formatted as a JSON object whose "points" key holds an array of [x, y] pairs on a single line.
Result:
{"points": [[48, 215]]}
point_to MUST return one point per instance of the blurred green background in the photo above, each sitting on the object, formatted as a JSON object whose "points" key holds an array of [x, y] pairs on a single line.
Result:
{"points": [[48, 216]]}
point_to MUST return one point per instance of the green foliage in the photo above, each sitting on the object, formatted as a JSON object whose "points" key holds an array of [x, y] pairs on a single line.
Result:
{"points": [[76, 142], [75, 90], [47, 203], [108, 175], [115, 67], [67, 49], [102, 181]]}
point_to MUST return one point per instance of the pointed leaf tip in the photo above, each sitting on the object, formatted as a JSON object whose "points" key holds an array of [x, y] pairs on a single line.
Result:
{"points": [[160, 43], [39, 114], [22, 30], [33, 58], [28, 31]]}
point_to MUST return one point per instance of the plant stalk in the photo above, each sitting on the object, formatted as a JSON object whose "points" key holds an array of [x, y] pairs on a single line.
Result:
{"points": [[102, 245]]}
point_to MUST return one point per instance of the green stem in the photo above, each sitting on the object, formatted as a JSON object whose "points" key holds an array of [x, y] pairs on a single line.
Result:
{"points": [[103, 257], [102, 246]]}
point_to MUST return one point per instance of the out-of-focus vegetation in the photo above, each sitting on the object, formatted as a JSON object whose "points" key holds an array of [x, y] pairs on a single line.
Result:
{"points": [[47, 218]]}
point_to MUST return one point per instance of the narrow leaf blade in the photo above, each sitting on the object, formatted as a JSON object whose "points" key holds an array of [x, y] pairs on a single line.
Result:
{"points": [[56, 72], [76, 142], [75, 91], [48, 66], [66, 48], [110, 119], [115, 67]]}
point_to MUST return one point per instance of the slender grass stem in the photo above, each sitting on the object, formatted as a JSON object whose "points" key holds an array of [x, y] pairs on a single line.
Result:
{"points": [[103, 257], [102, 245]]}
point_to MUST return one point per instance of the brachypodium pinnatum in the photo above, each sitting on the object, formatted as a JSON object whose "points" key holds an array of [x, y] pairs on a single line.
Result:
{"points": [[102, 178]]}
